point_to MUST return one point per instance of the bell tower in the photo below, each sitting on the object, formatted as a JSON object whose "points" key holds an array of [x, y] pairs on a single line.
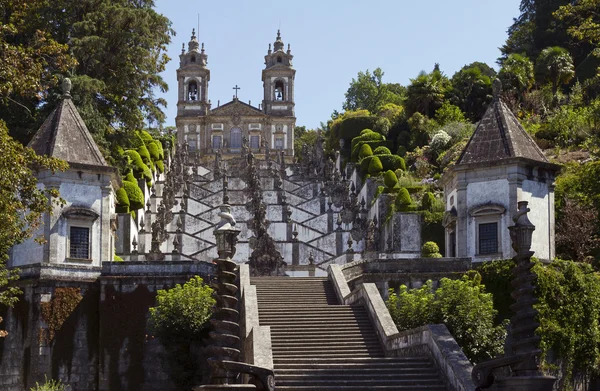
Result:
{"points": [[278, 80], [192, 83]]}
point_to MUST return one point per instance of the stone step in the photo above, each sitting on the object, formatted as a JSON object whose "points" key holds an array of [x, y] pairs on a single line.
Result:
{"points": [[356, 362], [421, 380], [369, 370], [280, 339], [361, 388], [332, 353]]}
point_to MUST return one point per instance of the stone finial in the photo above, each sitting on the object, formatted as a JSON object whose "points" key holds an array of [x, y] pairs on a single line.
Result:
{"points": [[183, 48], [66, 88], [193, 34], [225, 188], [202, 49], [497, 88]]}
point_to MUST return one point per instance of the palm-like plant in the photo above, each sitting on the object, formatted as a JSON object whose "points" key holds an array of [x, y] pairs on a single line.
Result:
{"points": [[555, 65], [517, 74], [425, 94]]}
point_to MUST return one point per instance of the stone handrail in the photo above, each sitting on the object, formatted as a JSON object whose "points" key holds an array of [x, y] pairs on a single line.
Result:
{"points": [[432, 340], [256, 339]]}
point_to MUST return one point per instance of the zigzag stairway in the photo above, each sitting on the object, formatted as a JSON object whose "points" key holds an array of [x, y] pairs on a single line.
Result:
{"points": [[319, 344]]}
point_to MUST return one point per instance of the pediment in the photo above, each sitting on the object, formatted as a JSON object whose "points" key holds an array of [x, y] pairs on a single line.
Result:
{"points": [[236, 108]]}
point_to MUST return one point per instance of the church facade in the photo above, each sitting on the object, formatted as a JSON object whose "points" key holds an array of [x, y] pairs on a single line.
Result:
{"points": [[228, 127]]}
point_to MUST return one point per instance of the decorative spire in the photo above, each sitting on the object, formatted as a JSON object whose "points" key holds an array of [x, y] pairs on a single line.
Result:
{"points": [[278, 45], [183, 48], [193, 45], [497, 88], [66, 88]]}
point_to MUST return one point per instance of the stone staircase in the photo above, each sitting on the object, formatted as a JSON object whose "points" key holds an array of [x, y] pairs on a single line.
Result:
{"points": [[321, 345]]}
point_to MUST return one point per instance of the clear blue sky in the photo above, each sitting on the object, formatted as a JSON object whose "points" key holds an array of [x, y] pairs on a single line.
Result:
{"points": [[332, 40]]}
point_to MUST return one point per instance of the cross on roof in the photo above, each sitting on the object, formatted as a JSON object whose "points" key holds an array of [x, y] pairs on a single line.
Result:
{"points": [[236, 88]]}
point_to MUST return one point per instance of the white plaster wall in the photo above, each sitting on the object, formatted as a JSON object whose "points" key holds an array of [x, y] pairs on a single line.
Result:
{"points": [[28, 252], [489, 192], [536, 194]]}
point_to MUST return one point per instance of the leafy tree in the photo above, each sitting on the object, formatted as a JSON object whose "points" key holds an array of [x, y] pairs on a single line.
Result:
{"points": [[449, 113], [426, 92], [22, 203], [517, 74], [472, 89], [462, 305], [583, 20], [182, 312], [555, 65], [430, 250], [368, 92], [577, 231]]}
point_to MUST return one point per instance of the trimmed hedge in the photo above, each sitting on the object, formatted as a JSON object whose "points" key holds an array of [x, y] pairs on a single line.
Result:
{"points": [[428, 201], [390, 179], [154, 151], [134, 193], [403, 202], [375, 166], [381, 150], [122, 201], [392, 162], [430, 250], [161, 152], [365, 150], [160, 166], [140, 168]]}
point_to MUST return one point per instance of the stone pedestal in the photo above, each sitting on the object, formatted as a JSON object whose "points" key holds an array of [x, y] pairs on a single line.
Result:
{"points": [[525, 383]]}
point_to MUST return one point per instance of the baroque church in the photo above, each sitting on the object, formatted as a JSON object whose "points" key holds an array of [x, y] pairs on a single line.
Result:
{"points": [[226, 128], [83, 315]]}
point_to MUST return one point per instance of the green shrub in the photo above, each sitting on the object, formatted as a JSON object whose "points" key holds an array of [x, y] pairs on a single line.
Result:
{"points": [[375, 166], [146, 137], [144, 154], [428, 201], [401, 151], [134, 193], [154, 151], [381, 150], [365, 150], [161, 152], [430, 250], [140, 168], [403, 201], [117, 258], [389, 179], [392, 162], [371, 138], [182, 312], [122, 201], [49, 385], [160, 166]]}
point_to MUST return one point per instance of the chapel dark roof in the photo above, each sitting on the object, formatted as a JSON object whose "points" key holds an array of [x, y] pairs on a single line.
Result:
{"points": [[64, 135], [498, 136]]}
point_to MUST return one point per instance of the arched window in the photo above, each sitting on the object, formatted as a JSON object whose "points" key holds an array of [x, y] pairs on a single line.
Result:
{"points": [[279, 90], [235, 138], [193, 91], [279, 59], [193, 59]]}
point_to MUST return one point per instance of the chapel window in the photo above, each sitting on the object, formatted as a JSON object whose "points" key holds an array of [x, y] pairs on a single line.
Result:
{"points": [[79, 242], [193, 91], [279, 143], [488, 238], [192, 145], [254, 142], [193, 59], [216, 142], [279, 59], [235, 138], [279, 90]]}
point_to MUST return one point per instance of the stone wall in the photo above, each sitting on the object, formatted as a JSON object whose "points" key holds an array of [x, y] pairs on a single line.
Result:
{"points": [[104, 342]]}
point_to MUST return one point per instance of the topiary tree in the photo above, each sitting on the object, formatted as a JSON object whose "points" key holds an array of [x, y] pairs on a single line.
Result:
{"points": [[160, 166], [381, 150], [403, 201], [122, 201], [430, 250], [428, 201], [392, 162], [390, 180], [182, 312], [140, 168], [154, 151], [134, 193], [375, 166], [365, 150]]}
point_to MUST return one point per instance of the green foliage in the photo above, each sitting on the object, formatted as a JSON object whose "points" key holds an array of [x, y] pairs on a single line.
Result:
{"points": [[154, 151], [365, 150], [555, 65], [381, 150], [375, 166], [392, 162], [160, 166], [426, 92], [568, 126], [368, 92], [439, 141], [49, 385], [449, 113], [366, 136], [428, 201], [134, 193], [390, 180], [404, 202], [569, 315], [430, 250], [122, 201], [182, 312], [462, 305], [517, 74], [22, 202], [140, 168], [348, 126], [472, 89], [496, 276]]}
